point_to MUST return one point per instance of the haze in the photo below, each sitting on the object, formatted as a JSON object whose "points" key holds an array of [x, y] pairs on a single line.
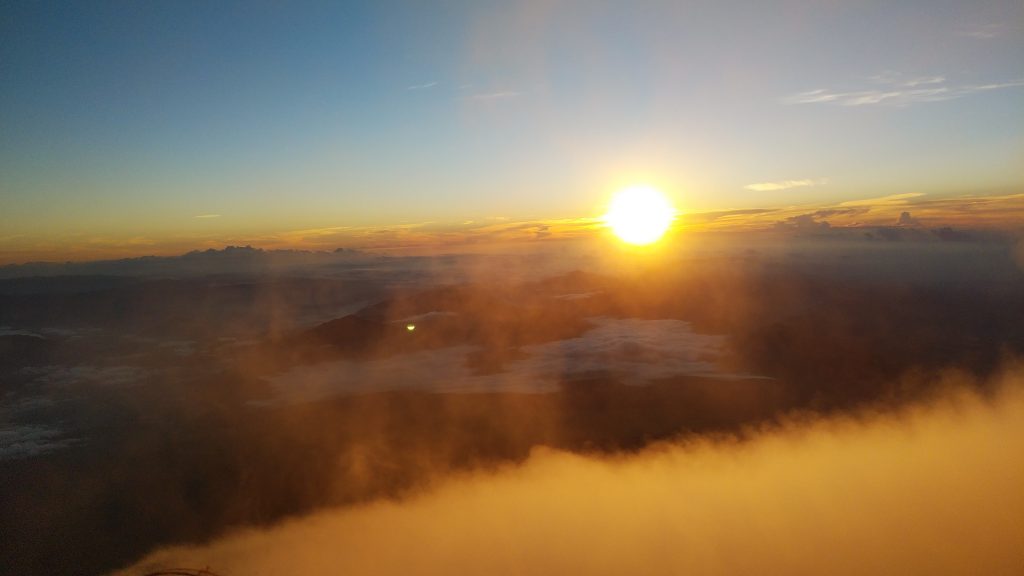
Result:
{"points": [[536, 287]]}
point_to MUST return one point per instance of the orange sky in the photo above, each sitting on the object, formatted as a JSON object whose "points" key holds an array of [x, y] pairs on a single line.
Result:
{"points": [[989, 212]]}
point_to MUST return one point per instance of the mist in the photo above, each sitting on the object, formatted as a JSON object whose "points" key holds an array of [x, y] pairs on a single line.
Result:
{"points": [[546, 286], [703, 404], [930, 488]]}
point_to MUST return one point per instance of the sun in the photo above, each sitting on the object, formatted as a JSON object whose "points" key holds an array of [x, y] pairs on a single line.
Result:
{"points": [[639, 215]]}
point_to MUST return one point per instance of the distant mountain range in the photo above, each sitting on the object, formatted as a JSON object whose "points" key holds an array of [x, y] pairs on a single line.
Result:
{"points": [[229, 260]]}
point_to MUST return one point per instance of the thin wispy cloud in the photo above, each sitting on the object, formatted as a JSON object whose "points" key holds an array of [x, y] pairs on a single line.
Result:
{"points": [[502, 95], [890, 200], [425, 86], [983, 31], [784, 184], [892, 78], [206, 216], [898, 90]]}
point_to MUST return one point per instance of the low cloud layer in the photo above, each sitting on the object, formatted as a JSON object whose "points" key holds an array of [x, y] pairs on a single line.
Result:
{"points": [[491, 235], [928, 490], [635, 351], [21, 441]]}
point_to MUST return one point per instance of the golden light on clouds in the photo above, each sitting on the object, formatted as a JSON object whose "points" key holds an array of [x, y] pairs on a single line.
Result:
{"points": [[874, 493], [639, 215], [965, 211]]}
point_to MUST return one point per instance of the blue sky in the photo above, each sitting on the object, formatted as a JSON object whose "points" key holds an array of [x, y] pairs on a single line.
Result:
{"points": [[128, 119]]}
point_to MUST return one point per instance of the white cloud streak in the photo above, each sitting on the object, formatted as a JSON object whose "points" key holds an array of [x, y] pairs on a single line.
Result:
{"points": [[983, 31], [898, 91], [784, 185], [503, 95]]}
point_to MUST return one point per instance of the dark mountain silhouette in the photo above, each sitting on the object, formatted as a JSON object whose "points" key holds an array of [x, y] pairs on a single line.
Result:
{"points": [[229, 260]]}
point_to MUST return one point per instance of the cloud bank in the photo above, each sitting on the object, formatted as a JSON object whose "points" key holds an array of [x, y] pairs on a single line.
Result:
{"points": [[634, 351], [933, 489]]}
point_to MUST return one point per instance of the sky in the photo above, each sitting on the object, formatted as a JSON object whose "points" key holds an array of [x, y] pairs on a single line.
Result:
{"points": [[132, 126]]}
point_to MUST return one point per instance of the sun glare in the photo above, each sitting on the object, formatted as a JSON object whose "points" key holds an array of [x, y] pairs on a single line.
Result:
{"points": [[639, 215]]}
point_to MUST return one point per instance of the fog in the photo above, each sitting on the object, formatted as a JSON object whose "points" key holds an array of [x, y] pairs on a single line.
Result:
{"points": [[931, 488], [632, 350], [581, 410], [528, 287]]}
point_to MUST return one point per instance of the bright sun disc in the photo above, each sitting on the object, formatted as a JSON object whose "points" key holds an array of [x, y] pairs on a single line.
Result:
{"points": [[639, 215]]}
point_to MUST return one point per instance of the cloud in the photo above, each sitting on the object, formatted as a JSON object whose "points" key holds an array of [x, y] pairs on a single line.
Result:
{"points": [[207, 216], [985, 216], [991, 210], [9, 331], [425, 86], [501, 95], [925, 80], [898, 91], [803, 223], [829, 212], [983, 31], [56, 375], [784, 185], [725, 218], [634, 351], [907, 220], [28, 440], [933, 489], [890, 200], [897, 79], [811, 96]]}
